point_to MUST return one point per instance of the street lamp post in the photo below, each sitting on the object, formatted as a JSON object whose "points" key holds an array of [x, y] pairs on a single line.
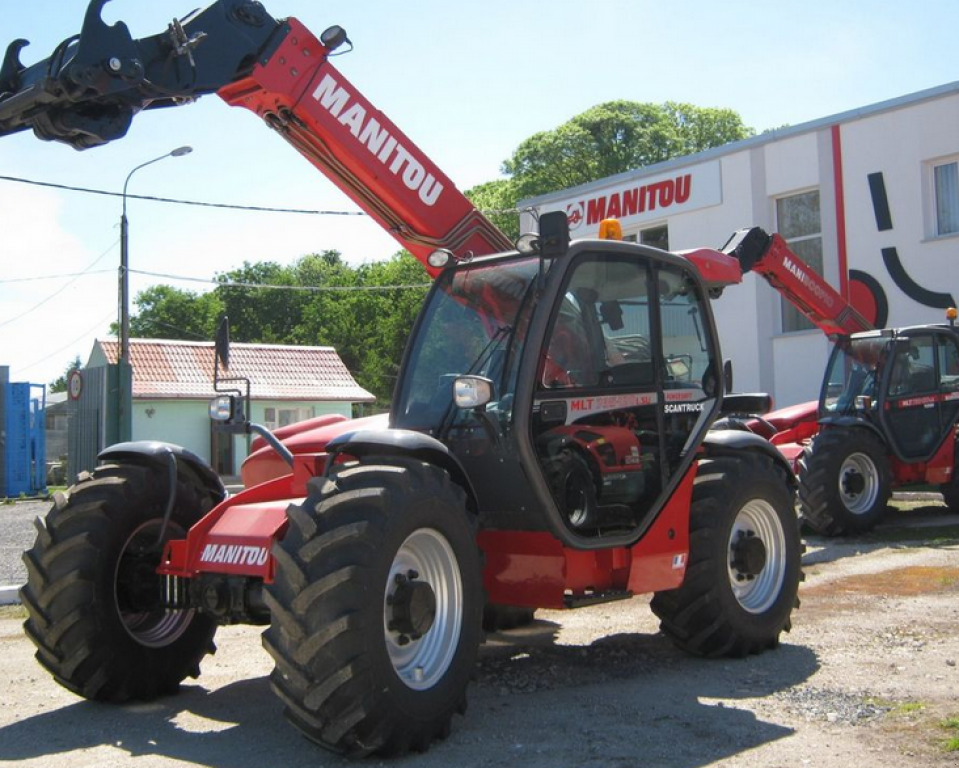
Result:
{"points": [[124, 386]]}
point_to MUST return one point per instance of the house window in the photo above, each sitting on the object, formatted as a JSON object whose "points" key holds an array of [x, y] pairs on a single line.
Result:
{"points": [[274, 418], [946, 183], [799, 224]]}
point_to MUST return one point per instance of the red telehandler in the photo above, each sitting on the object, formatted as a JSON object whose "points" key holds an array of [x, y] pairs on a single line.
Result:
{"points": [[888, 412], [548, 445]]}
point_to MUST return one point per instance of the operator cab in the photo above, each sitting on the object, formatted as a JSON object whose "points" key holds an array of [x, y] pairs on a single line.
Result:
{"points": [[597, 367], [904, 381]]}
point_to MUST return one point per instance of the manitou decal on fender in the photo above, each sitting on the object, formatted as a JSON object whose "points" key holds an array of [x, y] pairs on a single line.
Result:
{"points": [[234, 554]]}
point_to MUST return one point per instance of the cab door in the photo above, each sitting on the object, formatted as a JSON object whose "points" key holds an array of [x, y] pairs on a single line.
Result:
{"points": [[621, 390], [922, 394]]}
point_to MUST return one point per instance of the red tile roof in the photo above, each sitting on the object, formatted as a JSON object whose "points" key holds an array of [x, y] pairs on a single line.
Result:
{"points": [[184, 369]]}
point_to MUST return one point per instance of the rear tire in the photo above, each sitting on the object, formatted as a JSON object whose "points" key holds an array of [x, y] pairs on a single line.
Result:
{"points": [[743, 573], [92, 594], [360, 666], [844, 482]]}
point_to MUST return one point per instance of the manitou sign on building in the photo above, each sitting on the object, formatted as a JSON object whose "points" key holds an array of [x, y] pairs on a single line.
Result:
{"points": [[869, 197]]}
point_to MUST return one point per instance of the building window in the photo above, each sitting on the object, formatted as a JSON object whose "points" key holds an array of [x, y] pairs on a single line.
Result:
{"points": [[657, 237], [274, 418], [946, 182], [799, 223]]}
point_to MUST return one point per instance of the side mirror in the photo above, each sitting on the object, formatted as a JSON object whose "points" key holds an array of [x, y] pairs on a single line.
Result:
{"points": [[472, 392], [728, 376], [553, 234], [224, 408]]}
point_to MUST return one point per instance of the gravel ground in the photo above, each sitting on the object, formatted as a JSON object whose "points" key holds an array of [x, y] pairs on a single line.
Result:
{"points": [[16, 535], [867, 675]]}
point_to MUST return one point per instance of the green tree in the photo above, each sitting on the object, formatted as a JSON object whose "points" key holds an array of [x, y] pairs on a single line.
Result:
{"points": [[61, 382], [368, 327], [611, 138], [497, 195], [164, 312]]}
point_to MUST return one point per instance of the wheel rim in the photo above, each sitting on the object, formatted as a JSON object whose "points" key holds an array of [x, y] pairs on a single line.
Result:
{"points": [[136, 583], [756, 587], [858, 483], [425, 558], [577, 499]]}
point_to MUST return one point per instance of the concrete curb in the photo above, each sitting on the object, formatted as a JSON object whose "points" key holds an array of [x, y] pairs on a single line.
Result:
{"points": [[9, 595]]}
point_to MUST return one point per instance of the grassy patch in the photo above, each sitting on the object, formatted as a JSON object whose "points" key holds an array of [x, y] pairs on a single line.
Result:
{"points": [[897, 707], [940, 535], [952, 743]]}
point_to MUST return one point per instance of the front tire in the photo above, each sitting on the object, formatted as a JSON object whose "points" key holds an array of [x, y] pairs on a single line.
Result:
{"points": [[844, 482], [376, 608], [92, 593], [743, 573]]}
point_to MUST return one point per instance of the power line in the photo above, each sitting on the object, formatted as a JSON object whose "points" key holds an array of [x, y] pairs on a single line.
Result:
{"points": [[257, 208], [308, 288], [230, 206], [59, 290], [207, 281]]}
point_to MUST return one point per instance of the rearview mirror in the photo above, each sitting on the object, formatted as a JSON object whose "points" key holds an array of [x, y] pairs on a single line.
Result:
{"points": [[472, 392], [223, 408]]}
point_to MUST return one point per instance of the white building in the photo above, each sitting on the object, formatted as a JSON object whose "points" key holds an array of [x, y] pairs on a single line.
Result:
{"points": [[869, 196]]}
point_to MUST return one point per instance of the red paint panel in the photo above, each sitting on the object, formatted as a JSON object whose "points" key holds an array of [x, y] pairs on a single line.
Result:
{"points": [[718, 269], [534, 569], [523, 568], [937, 470], [241, 540], [659, 559], [253, 518]]}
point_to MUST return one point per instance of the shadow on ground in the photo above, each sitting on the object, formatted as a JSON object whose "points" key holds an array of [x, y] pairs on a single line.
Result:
{"points": [[622, 699]]}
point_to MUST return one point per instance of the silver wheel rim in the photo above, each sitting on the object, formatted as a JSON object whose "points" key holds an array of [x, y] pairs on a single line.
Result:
{"points": [[159, 627], [858, 468], [421, 663], [758, 592]]}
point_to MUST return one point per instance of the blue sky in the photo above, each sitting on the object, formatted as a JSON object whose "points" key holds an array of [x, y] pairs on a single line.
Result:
{"points": [[467, 81]]}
